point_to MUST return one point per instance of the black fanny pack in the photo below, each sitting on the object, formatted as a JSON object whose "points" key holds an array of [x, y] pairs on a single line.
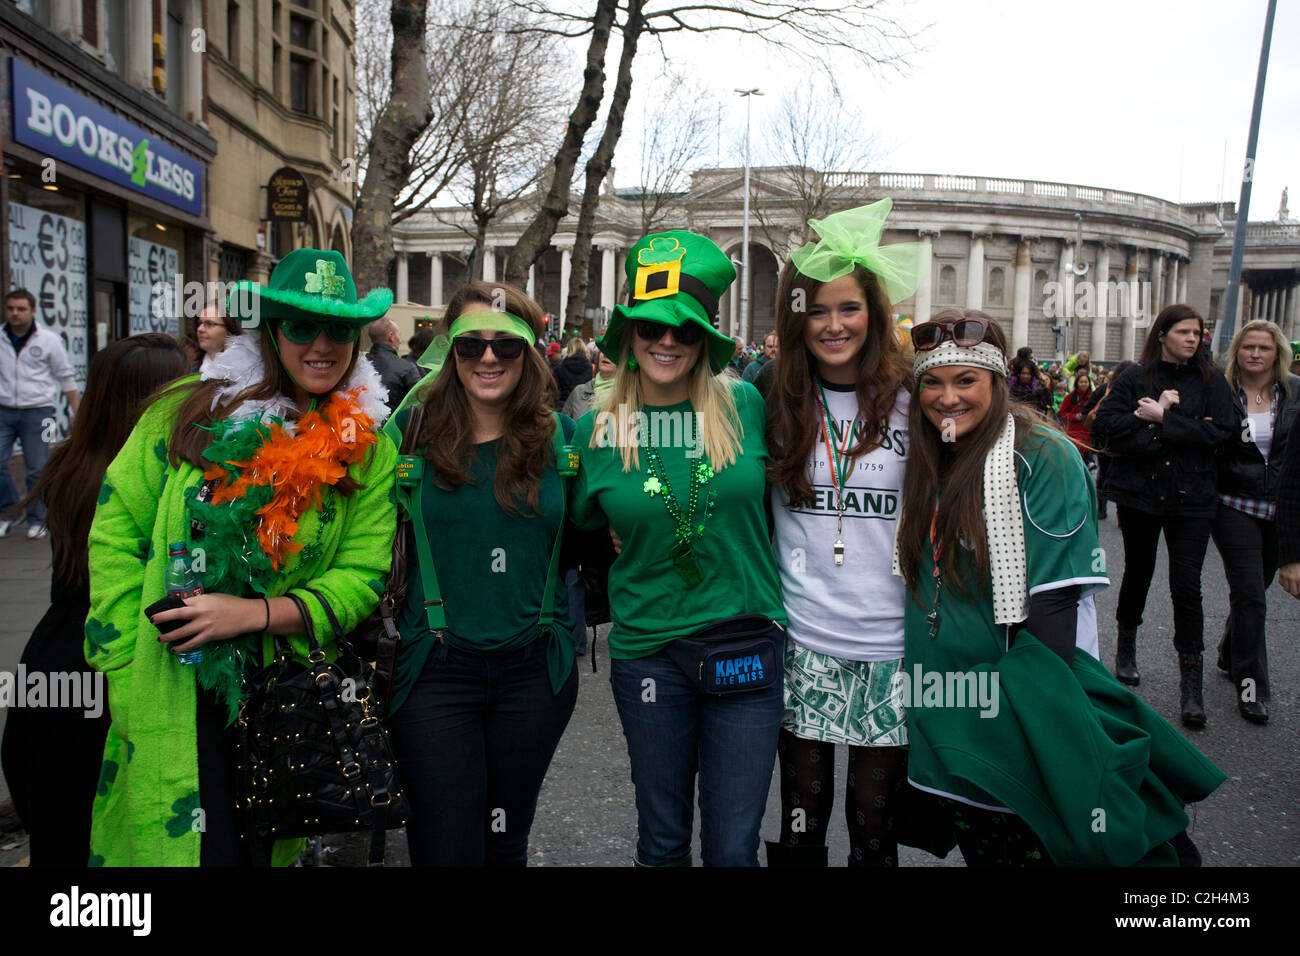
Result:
{"points": [[732, 656]]}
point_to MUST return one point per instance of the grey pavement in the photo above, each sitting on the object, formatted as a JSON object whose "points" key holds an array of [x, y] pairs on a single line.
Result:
{"points": [[586, 815]]}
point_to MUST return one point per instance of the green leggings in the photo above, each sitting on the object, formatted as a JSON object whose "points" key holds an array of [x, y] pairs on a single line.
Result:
{"points": [[988, 838]]}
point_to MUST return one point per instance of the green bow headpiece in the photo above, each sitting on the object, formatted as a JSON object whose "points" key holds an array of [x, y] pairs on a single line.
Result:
{"points": [[852, 238]]}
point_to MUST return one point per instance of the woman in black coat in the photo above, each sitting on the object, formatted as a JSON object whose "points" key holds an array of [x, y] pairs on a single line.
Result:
{"points": [[1266, 400], [1164, 422]]}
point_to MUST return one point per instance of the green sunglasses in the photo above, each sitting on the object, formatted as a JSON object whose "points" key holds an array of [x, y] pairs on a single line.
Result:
{"points": [[306, 331]]}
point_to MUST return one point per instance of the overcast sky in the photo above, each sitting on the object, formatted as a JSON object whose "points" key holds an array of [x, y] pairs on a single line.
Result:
{"points": [[1139, 95]]}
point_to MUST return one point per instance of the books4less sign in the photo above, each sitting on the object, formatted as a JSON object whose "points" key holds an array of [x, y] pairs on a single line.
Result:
{"points": [[69, 128]]}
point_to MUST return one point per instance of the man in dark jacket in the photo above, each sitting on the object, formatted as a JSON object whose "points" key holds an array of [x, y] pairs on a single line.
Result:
{"points": [[572, 370], [396, 373]]}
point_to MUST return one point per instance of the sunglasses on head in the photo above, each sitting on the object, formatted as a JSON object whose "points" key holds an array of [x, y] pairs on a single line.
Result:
{"points": [[687, 333], [505, 348], [965, 333], [306, 331]]}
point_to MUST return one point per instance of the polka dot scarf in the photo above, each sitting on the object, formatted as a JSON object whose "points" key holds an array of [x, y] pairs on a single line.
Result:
{"points": [[1004, 525]]}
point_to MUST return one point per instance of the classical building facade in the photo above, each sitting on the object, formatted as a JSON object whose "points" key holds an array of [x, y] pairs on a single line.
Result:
{"points": [[1097, 263]]}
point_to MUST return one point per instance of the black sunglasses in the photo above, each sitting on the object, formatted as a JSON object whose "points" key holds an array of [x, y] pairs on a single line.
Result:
{"points": [[306, 331], [688, 333], [965, 333], [471, 347]]}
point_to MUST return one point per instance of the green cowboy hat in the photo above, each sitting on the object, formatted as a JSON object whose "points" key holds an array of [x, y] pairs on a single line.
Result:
{"points": [[1295, 351], [674, 278], [308, 283]]}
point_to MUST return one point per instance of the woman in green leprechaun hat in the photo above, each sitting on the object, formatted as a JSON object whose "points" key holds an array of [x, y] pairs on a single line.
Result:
{"points": [[270, 470], [673, 461], [485, 680]]}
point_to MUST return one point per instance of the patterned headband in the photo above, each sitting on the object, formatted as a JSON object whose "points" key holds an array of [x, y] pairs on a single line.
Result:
{"points": [[984, 355]]}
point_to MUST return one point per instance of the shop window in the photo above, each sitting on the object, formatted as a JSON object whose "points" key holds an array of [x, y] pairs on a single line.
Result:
{"points": [[997, 283], [90, 22], [300, 75], [155, 258]]}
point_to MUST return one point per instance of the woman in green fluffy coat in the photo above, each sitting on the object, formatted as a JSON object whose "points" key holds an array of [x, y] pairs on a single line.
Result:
{"points": [[273, 473]]}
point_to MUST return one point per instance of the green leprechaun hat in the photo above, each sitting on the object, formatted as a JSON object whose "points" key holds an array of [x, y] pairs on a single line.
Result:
{"points": [[308, 283], [674, 278]]}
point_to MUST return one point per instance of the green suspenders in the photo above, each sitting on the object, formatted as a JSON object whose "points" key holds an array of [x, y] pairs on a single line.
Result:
{"points": [[566, 463]]}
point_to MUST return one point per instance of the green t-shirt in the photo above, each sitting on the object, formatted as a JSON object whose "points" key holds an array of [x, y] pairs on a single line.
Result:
{"points": [[490, 565], [1060, 521], [650, 603]]}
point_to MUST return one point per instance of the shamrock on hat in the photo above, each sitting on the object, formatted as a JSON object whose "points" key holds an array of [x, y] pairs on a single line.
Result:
{"points": [[674, 278], [308, 283]]}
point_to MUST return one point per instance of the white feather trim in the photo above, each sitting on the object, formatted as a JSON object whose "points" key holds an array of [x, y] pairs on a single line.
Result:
{"points": [[240, 364]]}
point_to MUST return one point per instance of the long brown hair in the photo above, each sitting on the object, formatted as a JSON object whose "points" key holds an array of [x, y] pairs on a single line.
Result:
{"points": [[1152, 354], [792, 420], [194, 419], [949, 476], [119, 381], [447, 434]]}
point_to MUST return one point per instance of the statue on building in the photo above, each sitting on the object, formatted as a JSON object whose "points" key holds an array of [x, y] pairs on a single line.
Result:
{"points": [[1283, 214]]}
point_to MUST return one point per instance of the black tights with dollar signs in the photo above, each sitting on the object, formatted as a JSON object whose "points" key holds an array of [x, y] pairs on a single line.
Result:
{"points": [[872, 797]]}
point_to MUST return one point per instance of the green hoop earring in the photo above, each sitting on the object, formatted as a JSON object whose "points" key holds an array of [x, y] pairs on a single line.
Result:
{"points": [[632, 363]]}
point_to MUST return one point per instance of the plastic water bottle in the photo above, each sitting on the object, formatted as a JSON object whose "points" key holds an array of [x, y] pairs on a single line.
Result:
{"points": [[181, 580]]}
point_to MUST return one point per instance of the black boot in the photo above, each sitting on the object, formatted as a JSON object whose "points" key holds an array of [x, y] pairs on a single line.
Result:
{"points": [[1126, 668], [1188, 854], [1189, 689], [796, 857]]}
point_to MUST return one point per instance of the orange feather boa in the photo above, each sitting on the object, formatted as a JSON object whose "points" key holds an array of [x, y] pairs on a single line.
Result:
{"points": [[325, 442]]}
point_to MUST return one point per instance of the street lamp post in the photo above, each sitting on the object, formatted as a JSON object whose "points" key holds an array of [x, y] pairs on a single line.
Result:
{"points": [[744, 255]]}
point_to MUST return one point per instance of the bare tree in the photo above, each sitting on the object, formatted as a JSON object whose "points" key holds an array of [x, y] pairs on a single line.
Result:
{"points": [[800, 148], [818, 30], [673, 144]]}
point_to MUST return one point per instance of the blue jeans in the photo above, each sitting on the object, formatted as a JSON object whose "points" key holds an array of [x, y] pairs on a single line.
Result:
{"points": [[474, 739], [672, 732], [25, 425]]}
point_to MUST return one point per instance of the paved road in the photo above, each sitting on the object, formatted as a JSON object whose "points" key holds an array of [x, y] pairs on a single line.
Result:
{"points": [[586, 815]]}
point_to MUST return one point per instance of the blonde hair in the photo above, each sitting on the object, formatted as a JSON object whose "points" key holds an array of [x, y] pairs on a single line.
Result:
{"points": [[718, 429], [1281, 363]]}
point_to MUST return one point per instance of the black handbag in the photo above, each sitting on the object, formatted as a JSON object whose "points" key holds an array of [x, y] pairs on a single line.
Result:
{"points": [[313, 756], [732, 656]]}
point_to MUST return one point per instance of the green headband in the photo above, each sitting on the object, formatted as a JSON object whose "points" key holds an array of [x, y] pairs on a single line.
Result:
{"points": [[490, 320], [852, 238]]}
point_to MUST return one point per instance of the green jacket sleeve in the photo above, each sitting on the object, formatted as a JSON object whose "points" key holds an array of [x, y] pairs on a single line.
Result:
{"points": [[584, 510]]}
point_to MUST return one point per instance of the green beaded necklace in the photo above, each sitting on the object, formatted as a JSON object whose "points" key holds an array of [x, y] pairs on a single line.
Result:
{"points": [[689, 524]]}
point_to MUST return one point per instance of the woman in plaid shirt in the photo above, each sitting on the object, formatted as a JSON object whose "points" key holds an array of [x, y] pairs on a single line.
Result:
{"points": [[1267, 399]]}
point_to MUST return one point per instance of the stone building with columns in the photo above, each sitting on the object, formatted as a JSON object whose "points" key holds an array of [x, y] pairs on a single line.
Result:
{"points": [[1096, 262]]}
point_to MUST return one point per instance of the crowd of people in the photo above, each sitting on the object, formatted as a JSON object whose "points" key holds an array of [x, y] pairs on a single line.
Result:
{"points": [[834, 528]]}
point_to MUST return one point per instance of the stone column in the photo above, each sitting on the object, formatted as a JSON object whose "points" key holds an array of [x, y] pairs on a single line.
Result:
{"points": [[435, 279], [1292, 327], [192, 64], [1065, 275], [1101, 304], [1128, 337], [489, 264], [1157, 281], [1182, 286], [1020, 302], [922, 298], [566, 268], [138, 71], [403, 289], [1173, 280], [532, 282], [608, 278], [975, 271]]}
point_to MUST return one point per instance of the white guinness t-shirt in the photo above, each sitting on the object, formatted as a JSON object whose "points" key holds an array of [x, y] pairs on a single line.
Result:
{"points": [[854, 610]]}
